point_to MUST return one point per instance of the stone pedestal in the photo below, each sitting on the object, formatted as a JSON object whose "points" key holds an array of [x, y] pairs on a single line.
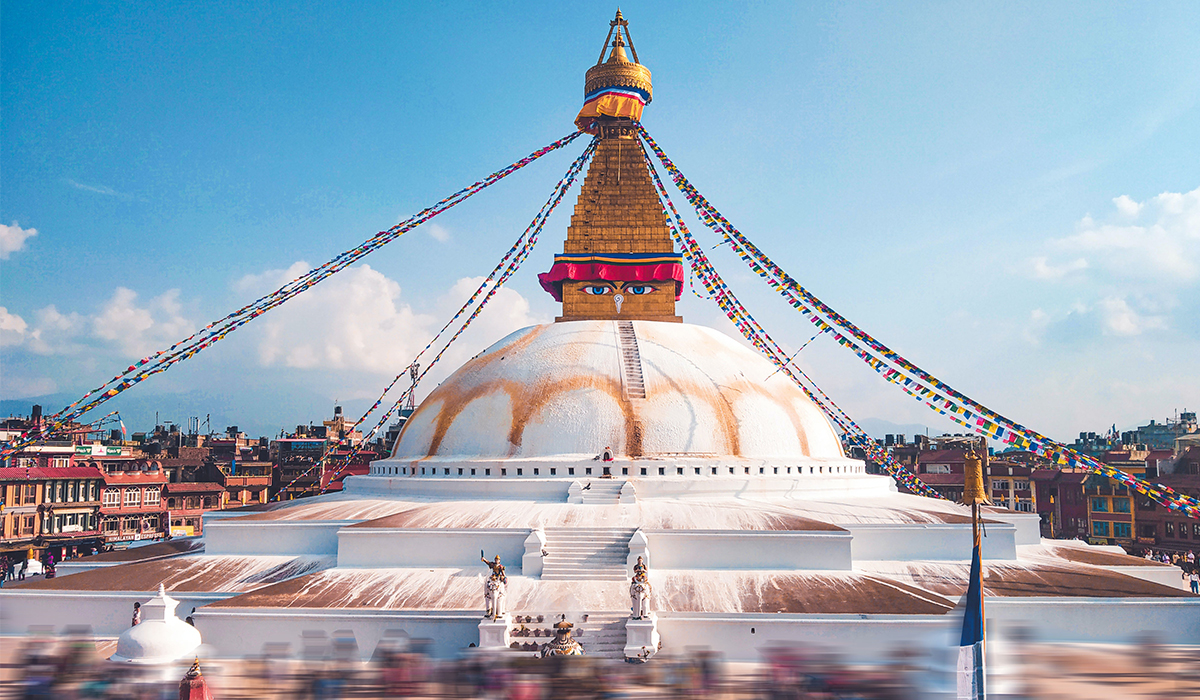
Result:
{"points": [[493, 634], [641, 637]]}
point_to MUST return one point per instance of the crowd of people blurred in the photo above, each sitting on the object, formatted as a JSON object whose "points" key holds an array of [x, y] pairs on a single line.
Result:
{"points": [[72, 667], [1186, 561]]}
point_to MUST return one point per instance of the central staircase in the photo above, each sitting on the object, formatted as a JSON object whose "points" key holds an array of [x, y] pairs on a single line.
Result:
{"points": [[603, 635], [586, 553]]}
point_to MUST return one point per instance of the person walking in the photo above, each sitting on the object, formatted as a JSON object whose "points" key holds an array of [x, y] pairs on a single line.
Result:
{"points": [[1194, 579], [24, 568], [137, 614]]}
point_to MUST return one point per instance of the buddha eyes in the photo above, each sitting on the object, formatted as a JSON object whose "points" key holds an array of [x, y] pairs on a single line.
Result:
{"points": [[633, 289]]}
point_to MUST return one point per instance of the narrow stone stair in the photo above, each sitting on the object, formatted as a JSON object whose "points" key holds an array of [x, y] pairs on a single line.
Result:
{"points": [[631, 362], [586, 554], [601, 491]]}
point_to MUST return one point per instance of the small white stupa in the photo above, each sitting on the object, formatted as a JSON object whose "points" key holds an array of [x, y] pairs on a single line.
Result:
{"points": [[160, 638]]}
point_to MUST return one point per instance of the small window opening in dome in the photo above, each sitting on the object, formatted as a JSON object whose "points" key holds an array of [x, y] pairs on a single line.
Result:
{"points": [[447, 471], [571, 471], [520, 472], [487, 472], [405, 470], [588, 472], [643, 471], [472, 472], [697, 471], [747, 469], [789, 470], [820, 470], [535, 471], [460, 471], [624, 471], [714, 470], [503, 472], [422, 471], [762, 470], [662, 471], [776, 470], [679, 471]]}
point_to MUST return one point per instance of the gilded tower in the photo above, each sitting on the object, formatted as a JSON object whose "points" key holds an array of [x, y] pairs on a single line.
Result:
{"points": [[618, 261]]}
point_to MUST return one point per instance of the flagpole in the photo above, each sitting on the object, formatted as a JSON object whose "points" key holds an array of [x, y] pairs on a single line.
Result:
{"points": [[971, 670]]}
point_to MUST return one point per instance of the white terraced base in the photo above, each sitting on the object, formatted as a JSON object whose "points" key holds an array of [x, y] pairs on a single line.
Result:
{"points": [[603, 635], [631, 362], [601, 491], [593, 554]]}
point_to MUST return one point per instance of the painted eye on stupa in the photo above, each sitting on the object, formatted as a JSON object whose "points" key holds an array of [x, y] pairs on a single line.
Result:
{"points": [[639, 289], [597, 290]]}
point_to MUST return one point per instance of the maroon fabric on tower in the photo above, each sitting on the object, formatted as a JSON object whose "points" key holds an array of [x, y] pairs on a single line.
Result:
{"points": [[582, 272]]}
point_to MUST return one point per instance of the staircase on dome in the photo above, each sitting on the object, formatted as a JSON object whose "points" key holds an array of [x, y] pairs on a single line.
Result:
{"points": [[618, 261]]}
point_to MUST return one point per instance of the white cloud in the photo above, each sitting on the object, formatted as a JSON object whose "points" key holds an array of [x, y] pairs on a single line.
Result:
{"points": [[1043, 270], [359, 321], [12, 239], [137, 330], [55, 333], [438, 233], [1121, 319], [12, 328], [100, 189], [354, 320], [1156, 240]]}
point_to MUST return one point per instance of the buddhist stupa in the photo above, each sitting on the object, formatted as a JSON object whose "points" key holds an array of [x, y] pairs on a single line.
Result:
{"points": [[731, 485]]}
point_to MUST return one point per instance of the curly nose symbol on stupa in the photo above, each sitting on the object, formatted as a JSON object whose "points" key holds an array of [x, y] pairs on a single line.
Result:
{"points": [[618, 300]]}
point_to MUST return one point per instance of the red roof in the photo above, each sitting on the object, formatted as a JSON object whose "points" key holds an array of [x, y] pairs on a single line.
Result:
{"points": [[118, 478], [194, 487], [19, 473]]}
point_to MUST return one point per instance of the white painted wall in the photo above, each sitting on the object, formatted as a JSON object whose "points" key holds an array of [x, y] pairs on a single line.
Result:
{"points": [[713, 549], [107, 612], [274, 537], [371, 547], [929, 542]]}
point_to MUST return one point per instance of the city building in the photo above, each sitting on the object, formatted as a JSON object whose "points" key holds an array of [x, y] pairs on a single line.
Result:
{"points": [[133, 508], [50, 509]]}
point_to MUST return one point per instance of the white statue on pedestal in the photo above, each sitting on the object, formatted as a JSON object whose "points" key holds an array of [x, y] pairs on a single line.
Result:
{"points": [[494, 588], [639, 591]]}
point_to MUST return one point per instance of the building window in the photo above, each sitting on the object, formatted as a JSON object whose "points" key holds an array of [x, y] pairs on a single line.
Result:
{"points": [[171, 503], [152, 498], [588, 471], [1020, 485], [151, 523], [1196, 530], [1100, 528], [30, 494], [1025, 506], [1170, 529], [111, 525], [937, 468], [644, 474], [1120, 505], [678, 471], [697, 471], [997, 484], [624, 471], [662, 471], [460, 471], [571, 471], [1121, 530], [503, 472], [553, 471], [129, 524], [1099, 505], [112, 498], [132, 497]]}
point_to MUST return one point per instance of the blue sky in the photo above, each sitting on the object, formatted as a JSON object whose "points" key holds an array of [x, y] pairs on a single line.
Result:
{"points": [[1005, 193]]}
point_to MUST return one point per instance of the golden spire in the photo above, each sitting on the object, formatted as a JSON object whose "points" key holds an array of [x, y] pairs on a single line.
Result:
{"points": [[974, 491], [618, 71]]}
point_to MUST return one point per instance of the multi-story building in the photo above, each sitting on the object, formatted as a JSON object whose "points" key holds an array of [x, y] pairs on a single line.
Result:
{"points": [[1060, 502], [1010, 484], [1111, 516], [133, 507], [187, 502], [50, 509]]}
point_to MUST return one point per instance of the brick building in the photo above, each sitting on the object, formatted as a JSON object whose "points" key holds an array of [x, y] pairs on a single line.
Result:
{"points": [[133, 508], [187, 502], [50, 509]]}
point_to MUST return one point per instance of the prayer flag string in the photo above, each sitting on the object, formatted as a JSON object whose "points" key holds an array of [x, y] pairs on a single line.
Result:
{"points": [[217, 330], [499, 275], [894, 368]]}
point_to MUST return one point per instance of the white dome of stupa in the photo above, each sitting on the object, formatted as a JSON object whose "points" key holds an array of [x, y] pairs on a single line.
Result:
{"points": [[160, 638], [570, 389]]}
